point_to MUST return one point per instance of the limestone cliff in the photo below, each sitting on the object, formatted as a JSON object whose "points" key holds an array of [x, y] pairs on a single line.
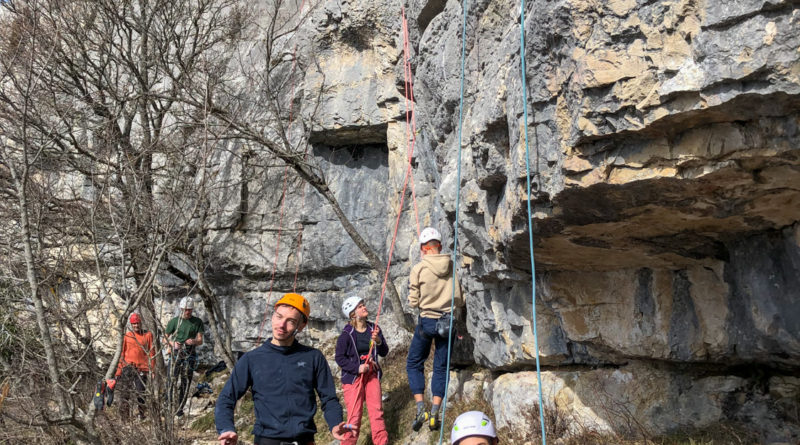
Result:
{"points": [[665, 151]]}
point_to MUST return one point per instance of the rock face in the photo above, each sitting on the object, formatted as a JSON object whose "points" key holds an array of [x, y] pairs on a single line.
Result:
{"points": [[664, 150]]}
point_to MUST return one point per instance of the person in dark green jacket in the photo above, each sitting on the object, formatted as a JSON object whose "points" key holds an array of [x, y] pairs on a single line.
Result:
{"points": [[184, 334], [285, 378]]}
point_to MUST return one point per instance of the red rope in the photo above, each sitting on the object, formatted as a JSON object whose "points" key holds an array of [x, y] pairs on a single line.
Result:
{"points": [[277, 251], [411, 142], [410, 104], [283, 193], [408, 91], [300, 231]]}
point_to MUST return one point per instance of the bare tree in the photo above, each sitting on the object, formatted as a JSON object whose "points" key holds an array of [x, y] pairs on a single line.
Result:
{"points": [[90, 129], [110, 111], [259, 108]]}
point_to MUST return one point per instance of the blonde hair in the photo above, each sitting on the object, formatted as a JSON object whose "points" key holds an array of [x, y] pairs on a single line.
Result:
{"points": [[353, 318], [352, 321]]}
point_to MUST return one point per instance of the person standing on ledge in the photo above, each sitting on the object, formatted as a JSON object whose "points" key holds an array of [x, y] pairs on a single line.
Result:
{"points": [[431, 290]]}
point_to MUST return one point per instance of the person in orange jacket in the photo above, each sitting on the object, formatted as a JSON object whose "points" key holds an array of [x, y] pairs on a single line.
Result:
{"points": [[135, 364]]}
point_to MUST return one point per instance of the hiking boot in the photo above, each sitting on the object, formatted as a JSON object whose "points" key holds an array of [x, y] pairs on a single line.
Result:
{"points": [[421, 419], [434, 424]]}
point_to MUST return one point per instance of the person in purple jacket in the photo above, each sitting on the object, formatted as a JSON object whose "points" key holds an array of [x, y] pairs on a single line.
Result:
{"points": [[361, 374]]}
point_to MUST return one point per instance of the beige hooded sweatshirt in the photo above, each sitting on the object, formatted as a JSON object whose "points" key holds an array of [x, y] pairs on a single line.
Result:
{"points": [[431, 284]]}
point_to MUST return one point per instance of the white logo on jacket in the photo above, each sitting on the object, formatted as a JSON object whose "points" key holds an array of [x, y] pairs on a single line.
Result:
{"points": [[301, 364]]}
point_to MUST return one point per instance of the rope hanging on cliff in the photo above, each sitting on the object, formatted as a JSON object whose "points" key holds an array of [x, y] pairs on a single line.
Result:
{"points": [[409, 174], [464, 6], [410, 141], [530, 214], [411, 127], [283, 197], [458, 200]]}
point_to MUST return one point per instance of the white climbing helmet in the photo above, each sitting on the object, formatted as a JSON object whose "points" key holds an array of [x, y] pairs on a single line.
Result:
{"points": [[186, 303], [350, 304], [429, 234], [472, 423]]}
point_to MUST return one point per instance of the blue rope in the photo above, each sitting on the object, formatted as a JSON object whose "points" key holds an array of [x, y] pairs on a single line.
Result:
{"points": [[458, 201], [530, 214]]}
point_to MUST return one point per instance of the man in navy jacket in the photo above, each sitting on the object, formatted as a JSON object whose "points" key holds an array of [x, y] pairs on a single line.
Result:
{"points": [[283, 376]]}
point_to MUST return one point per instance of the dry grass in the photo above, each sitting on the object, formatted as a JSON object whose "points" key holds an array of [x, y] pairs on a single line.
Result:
{"points": [[399, 411]]}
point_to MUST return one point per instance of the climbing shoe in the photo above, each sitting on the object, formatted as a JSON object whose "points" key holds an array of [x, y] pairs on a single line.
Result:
{"points": [[434, 424], [421, 419]]}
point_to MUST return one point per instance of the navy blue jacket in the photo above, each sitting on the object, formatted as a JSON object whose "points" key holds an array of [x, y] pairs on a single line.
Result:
{"points": [[347, 356], [283, 380]]}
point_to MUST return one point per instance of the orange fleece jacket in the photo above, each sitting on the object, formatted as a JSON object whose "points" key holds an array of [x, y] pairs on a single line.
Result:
{"points": [[135, 349]]}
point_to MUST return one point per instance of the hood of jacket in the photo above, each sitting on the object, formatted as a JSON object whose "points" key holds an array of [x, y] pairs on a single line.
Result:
{"points": [[439, 264]]}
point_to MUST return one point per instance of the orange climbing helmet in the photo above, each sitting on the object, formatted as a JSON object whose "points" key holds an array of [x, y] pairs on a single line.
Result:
{"points": [[296, 301]]}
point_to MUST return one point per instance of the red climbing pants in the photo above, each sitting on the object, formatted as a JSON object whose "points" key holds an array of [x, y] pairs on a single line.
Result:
{"points": [[366, 388]]}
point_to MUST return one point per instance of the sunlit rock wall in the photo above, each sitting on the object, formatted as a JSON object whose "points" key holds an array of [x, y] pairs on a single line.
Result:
{"points": [[665, 161]]}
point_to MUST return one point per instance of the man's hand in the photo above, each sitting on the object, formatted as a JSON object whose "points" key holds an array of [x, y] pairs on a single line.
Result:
{"points": [[189, 341], [176, 345], [363, 368], [229, 438], [341, 431]]}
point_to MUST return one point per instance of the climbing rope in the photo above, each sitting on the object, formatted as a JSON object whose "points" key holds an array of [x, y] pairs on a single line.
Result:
{"points": [[277, 251], [410, 140], [530, 220], [530, 214], [410, 109], [458, 203], [407, 178], [283, 195]]}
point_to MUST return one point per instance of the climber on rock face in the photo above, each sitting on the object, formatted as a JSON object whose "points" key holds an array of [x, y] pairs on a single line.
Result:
{"points": [[285, 378], [431, 290]]}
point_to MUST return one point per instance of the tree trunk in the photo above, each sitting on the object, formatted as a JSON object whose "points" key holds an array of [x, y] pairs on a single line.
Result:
{"points": [[297, 163], [216, 318], [20, 184], [41, 319], [377, 264]]}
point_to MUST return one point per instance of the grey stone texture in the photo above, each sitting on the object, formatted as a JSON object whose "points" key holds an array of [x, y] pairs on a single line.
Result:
{"points": [[664, 149]]}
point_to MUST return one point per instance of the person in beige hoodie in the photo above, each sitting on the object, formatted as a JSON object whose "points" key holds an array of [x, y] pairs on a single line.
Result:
{"points": [[430, 290]]}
